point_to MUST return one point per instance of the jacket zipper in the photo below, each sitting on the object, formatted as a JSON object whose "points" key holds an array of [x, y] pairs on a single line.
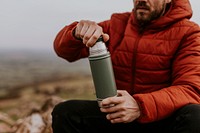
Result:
{"points": [[134, 62]]}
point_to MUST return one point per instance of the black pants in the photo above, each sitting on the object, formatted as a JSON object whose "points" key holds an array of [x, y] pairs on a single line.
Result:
{"points": [[78, 116]]}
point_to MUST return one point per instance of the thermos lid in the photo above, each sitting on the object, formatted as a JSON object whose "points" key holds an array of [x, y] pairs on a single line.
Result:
{"points": [[99, 48]]}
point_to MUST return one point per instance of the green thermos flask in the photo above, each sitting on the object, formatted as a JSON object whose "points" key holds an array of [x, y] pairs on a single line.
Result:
{"points": [[102, 71]]}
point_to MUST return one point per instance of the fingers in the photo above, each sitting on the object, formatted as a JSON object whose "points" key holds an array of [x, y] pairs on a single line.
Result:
{"points": [[122, 92], [91, 36], [123, 116], [105, 37], [78, 29], [119, 117], [111, 101], [114, 100], [89, 32], [116, 117], [109, 109]]}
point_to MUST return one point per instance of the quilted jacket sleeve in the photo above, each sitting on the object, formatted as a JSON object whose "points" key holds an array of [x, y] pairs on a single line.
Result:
{"points": [[70, 48], [185, 88]]}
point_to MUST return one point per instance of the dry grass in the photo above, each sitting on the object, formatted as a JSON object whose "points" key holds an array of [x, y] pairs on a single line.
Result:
{"points": [[32, 97]]}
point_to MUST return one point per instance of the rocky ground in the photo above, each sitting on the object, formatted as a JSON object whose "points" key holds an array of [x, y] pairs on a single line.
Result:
{"points": [[31, 84], [40, 100]]}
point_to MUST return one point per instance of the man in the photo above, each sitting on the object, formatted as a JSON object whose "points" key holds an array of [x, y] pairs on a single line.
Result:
{"points": [[155, 51]]}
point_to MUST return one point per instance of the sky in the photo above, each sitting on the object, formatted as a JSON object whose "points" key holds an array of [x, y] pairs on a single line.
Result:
{"points": [[33, 24]]}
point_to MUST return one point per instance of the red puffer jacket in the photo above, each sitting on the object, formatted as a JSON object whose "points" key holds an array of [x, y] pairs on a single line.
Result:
{"points": [[159, 67]]}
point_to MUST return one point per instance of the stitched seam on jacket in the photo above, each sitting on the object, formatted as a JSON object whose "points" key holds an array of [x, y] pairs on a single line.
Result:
{"points": [[184, 94], [158, 69], [121, 66], [123, 51], [170, 98], [155, 105], [153, 54]]}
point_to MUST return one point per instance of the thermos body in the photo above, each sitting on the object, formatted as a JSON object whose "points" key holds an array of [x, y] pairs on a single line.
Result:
{"points": [[103, 76], [102, 71]]}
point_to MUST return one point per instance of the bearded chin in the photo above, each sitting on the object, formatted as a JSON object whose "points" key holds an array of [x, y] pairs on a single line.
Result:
{"points": [[144, 20]]}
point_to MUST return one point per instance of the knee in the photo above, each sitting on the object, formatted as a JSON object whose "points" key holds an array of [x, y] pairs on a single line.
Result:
{"points": [[192, 112], [63, 108], [189, 116], [61, 116]]}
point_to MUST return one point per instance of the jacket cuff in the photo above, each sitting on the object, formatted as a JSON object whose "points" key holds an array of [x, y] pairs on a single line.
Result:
{"points": [[142, 101]]}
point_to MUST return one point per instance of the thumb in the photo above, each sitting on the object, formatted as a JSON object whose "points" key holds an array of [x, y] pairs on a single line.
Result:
{"points": [[122, 92], [105, 37]]}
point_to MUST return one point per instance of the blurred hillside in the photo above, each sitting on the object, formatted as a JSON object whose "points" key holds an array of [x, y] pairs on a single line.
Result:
{"points": [[24, 68], [29, 78]]}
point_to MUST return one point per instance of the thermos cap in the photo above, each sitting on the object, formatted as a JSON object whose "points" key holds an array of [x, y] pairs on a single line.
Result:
{"points": [[98, 49]]}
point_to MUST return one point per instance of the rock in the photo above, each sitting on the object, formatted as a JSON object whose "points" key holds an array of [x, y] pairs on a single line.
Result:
{"points": [[38, 121]]}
